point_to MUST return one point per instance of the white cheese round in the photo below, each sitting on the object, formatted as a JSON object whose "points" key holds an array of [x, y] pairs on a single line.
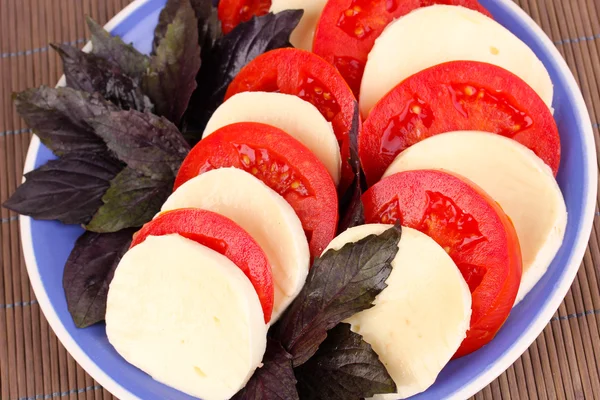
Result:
{"points": [[514, 176], [421, 318], [264, 214], [302, 36], [436, 34], [291, 114], [187, 316]]}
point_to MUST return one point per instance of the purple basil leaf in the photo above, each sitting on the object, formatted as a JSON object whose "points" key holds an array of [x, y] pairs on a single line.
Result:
{"points": [[344, 367], [113, 49], [274, 380], [132, 200], [229, 55], [88, 272], [171, 78], [147, 143], [69, 189], [91, 73], [60, 118], [351, 206], [209, 26], [340, 284]]}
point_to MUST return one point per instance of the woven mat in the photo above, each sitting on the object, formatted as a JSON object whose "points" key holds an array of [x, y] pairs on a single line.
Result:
{"points": [[563, 363]]}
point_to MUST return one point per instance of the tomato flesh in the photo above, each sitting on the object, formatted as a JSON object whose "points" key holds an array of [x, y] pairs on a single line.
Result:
{"points": [[347, 30], [282, 163], [458, 95], [303, 74], [233, 12], [222, 235], [473, 230]]}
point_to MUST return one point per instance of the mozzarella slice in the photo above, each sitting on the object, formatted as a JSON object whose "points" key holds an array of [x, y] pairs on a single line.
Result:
{"points": [[187, 316], [289, 113], [514, 176], [302, 36], [264, 214], [420, 319], [432, 35]]}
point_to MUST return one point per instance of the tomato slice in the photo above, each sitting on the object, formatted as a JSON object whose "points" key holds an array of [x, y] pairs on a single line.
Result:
{"points": [[282, 163], [221, 234], [458, 95], [303, 74], [347, 30], [233, 12], [470, 226]]}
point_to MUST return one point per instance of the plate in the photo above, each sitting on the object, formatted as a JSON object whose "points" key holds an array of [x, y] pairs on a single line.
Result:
{"points": [[47, 244]]}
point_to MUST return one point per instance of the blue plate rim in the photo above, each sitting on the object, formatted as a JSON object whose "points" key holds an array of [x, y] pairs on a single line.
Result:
{"points": [[479, 382]]}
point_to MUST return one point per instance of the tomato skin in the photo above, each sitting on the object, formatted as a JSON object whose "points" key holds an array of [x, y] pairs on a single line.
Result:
{"points": [[472, 228], [221, 234], [282, 163], [439, 93], [306, 75], [347, 30], [233, 12]]}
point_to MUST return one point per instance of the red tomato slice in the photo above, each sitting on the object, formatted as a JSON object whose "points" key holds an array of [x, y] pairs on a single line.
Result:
{"points": [[303, 74], [282, 163], [470, 226], [458, 95], [221, 234], [347, 30], [233, 12]]}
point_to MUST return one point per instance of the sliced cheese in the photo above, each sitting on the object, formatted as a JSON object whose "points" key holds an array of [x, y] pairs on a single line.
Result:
{"points": [[514, 176], [264, 214], [420, 319], [302, 36], [432, 35], [291, 114], [187, 316]]}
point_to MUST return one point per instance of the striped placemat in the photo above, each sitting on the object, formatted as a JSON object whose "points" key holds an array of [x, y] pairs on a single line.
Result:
{"points": [[563, 363]]}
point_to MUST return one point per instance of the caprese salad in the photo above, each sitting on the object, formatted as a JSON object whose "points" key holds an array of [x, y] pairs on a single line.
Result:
{"points": [[386, 185]]}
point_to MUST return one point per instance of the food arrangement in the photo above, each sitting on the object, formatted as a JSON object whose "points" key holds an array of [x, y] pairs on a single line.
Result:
{"points": [[254, 211]]}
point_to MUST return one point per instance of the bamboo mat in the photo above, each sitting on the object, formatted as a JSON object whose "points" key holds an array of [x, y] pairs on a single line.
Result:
{"points": [[563, 363]]}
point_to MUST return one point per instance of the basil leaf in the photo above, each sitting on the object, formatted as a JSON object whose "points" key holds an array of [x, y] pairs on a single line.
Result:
{"points": [[230, 54], [114, 50], [351, 206], [209, 28], [274, 380], [69, 189], [171, 79], [145, 142], [60, 118], [340, 284], [88, 272], [344, 367], [131, 201], [90, 73], [208, 24]]}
